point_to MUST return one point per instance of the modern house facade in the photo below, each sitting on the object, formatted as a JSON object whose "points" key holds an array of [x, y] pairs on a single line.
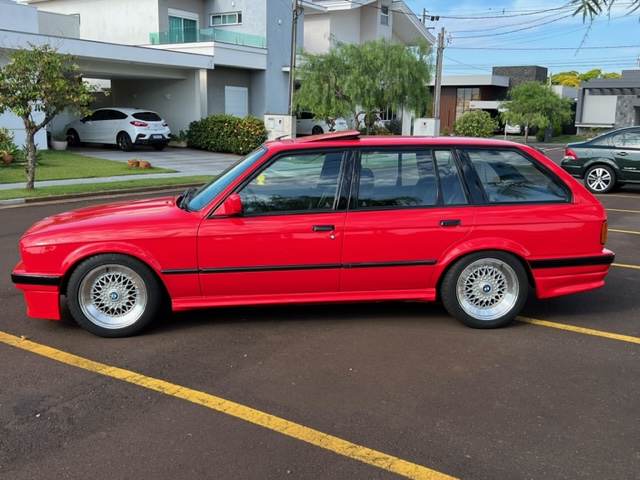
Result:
{"points": [[608, 103]]}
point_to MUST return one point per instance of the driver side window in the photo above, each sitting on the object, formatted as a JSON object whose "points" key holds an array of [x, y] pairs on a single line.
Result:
{"points": [[294, 183]]}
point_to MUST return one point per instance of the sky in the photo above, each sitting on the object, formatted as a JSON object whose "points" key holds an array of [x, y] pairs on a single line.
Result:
{"points": [[481, 34]]}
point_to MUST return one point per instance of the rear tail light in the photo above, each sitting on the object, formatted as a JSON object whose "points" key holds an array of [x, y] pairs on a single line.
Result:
{"points": [[165, 124], [603, 233], [138, 123], [570, 153]]}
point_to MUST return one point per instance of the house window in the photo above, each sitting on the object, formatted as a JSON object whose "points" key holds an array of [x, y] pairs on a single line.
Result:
{"points": [[384, 15], [463, 99], [218, 19], [183, 26]]}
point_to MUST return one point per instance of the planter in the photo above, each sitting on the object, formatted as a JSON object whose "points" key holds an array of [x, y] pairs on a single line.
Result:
{"points": [[59, 144], [133, 163], [144, 164], [6, 158]]}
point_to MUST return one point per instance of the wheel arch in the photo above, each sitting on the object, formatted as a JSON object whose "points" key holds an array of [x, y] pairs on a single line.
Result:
{"points": [[594, 162], [459, 253]]}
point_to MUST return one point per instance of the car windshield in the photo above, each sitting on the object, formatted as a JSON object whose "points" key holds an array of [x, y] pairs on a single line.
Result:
{"points": [[209, 190]]}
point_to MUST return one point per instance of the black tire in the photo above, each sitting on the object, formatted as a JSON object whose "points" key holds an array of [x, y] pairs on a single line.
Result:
{"points": [[73, 138], [124, 142], [317, 130], [485, 289], [600, 179], [159, 146], [113, 295]]}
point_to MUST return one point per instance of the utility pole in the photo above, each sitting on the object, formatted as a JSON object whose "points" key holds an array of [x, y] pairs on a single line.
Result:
{"points": [[438, 82], [292, 58]]}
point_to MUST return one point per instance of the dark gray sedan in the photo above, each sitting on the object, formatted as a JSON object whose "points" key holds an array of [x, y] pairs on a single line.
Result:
{"points": [[607, 161]]}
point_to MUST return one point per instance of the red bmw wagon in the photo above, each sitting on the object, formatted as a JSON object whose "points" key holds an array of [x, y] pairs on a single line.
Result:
{"points": [[475, 223]]}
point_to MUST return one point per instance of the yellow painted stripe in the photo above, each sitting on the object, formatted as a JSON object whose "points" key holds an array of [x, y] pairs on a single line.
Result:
{"points": [[624, 231], [585, 331], [280, 425], [622, 210], [625, 266]]}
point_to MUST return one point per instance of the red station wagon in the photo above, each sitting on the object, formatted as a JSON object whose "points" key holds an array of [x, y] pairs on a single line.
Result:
{"points": [[474, 223]]}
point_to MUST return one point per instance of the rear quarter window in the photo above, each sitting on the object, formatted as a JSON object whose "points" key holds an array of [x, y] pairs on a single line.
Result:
{"points": [[508, 176]]}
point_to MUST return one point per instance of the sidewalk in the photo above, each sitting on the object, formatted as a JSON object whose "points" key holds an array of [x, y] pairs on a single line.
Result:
{"points": [[185, 161]]}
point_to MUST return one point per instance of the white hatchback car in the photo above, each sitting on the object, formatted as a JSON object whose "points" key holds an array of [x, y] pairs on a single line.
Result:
{"points": [[307, 125], [124, 127]]}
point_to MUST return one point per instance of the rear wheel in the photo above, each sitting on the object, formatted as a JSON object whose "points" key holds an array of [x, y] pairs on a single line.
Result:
{"points": [[317, 130], [113, 295], [124, 142], [485, 289], [600, 179]]}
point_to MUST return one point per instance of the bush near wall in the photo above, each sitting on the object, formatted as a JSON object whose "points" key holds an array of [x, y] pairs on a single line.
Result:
{"points": [[476, 123], [227, 134]]}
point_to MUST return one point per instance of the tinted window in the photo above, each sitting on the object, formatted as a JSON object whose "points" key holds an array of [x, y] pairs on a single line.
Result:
{"points": [[296, 182], [147, 116], [507, 176], [626, 139], [100, 115], [116, 115], [409, 178]]}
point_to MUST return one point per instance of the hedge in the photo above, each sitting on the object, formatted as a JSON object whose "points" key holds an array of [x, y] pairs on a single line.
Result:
{"points": [[226, 133]]}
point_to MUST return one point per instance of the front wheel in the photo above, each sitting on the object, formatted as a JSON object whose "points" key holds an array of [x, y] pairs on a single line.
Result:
{"points": [[124, 142], [317, 130], [485, 289], [113, 295], [600, 179]]}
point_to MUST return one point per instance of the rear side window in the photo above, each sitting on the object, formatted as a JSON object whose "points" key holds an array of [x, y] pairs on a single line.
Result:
{"points": [[507, 176], [147, 116]]}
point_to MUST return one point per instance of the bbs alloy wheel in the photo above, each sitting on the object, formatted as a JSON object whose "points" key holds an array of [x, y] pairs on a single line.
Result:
{"points": [[485, 289], [113, 295]]}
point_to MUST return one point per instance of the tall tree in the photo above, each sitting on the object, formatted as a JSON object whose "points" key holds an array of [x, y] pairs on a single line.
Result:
{"points": [[572, 78], [355, 79], [40, 82], [534, 104]]}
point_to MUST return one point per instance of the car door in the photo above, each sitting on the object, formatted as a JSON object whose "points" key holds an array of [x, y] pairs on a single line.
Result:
{"points": [[92, 131], [408, 206], [626, 150], [288, 240], [112, 125]]}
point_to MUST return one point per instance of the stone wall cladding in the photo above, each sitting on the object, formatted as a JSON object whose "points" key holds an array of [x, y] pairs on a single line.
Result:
{"points": [[625, 113], [518, 75]]}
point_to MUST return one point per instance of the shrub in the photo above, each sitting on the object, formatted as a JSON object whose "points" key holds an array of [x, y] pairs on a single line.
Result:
{"points": [[476, 123], [375, 130], [227, 133], [395, 126]]}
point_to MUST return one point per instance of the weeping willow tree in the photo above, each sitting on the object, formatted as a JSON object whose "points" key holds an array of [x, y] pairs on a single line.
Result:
{"points": [[355, 79]]}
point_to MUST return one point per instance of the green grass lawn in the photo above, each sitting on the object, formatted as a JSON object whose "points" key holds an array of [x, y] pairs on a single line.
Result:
{"points": [[65, 165], [62, 165]]}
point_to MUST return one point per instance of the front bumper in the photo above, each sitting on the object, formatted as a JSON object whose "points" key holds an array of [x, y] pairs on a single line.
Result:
{"points": [[41, 293]]}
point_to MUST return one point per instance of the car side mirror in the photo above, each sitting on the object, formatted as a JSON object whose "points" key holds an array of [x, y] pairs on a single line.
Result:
{"points": [[232, 205]]}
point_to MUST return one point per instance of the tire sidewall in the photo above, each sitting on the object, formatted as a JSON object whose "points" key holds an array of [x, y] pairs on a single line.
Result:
{"points": [[154, 294], [449, 287]]}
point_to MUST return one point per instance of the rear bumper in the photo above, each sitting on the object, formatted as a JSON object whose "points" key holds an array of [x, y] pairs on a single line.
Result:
{"points": [[571, 275], [570, 166], [154, 139]]}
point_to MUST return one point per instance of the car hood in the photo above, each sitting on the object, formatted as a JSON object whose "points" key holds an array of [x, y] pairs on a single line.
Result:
{"points": [[112, 215]]}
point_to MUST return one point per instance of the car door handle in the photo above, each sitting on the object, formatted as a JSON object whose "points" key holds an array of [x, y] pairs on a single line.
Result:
{"points": [[323, 228], [623, 154], [450, 223]]}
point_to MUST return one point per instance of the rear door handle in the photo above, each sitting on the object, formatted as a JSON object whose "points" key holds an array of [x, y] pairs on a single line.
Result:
{"points": [[323, 228], [450, 223], [623, 154]]}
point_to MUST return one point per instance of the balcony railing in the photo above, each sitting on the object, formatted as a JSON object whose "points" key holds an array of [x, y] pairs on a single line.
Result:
{"points": [[210, 34]]}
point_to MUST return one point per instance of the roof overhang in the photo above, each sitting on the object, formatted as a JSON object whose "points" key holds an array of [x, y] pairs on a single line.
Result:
{"points": [[406, 25], [109, 60], [474, 81]]}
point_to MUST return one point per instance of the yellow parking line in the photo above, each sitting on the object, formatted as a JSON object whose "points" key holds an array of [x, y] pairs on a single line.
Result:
{"points": [[585, 331], [625, 266], [266, 420], [624, 231], [621, 210]]}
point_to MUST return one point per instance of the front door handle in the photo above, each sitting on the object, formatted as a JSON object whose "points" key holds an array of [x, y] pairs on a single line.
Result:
{"points": [[623, 154], [450, 223], [323, 228]]}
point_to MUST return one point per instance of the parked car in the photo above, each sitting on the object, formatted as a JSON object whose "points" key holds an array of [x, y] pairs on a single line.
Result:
{"points": [[124, 127], [306, 124], [474, 222], [607, 161], [513, 129]]}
